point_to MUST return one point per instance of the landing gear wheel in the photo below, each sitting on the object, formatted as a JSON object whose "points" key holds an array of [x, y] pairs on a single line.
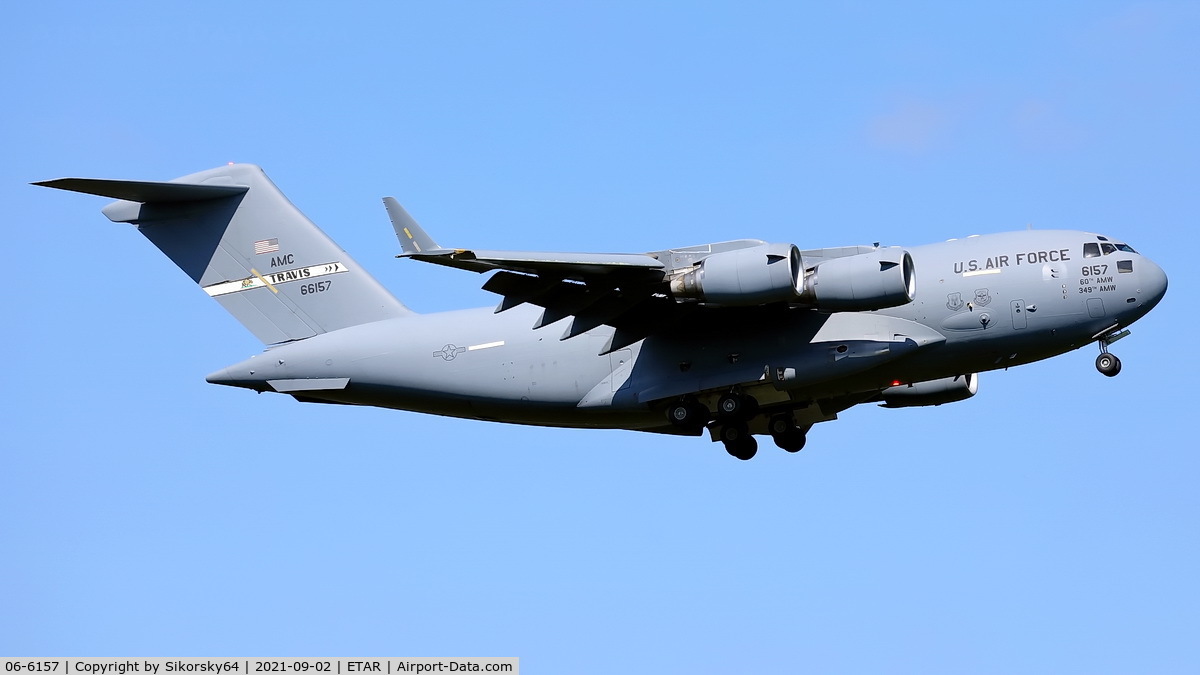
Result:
{"points": [[792, 440], [742, 449], [737, 406], [1108, 364], [780, 424], [786, 434], [688, 414], [733, 433], [738, 441]]}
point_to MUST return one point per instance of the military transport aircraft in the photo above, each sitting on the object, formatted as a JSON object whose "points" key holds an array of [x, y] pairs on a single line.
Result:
{"points": [[737, 338]]}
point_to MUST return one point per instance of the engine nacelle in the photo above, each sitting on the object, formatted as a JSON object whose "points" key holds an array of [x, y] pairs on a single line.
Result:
{"points": [[747, 276], [876, 280], [933, 392]]}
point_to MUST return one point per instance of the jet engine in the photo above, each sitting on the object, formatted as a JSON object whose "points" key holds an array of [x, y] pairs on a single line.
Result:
{"points": [[932, 392], [747, 276], [768, 273], [876, 280]]}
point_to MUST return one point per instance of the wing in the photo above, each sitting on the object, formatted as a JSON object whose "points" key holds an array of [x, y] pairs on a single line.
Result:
{"points": [[639, 294], [628, 291], [582, 267]]}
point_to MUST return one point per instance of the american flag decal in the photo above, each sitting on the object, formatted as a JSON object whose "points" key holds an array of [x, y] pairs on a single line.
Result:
{"points": [[266, 246]]}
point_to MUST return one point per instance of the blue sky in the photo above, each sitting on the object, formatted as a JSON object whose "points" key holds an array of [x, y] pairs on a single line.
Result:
{"points": [[1047, 525]]}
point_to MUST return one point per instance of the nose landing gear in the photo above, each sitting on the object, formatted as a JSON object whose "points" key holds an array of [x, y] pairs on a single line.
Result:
{"points": [[1108, 364]]}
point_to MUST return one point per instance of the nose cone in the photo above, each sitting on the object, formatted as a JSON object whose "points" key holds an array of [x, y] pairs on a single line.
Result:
{"points": [[1153, 283]]}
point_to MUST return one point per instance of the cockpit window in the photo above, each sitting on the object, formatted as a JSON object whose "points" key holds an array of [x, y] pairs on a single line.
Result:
{"points": [[1094, 250]]}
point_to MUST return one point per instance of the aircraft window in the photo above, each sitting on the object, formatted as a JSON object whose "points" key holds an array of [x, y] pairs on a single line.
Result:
{"points": [[1102, 238], [1125, 266], [1108, 248], [1125, 247], [1091, 250]]}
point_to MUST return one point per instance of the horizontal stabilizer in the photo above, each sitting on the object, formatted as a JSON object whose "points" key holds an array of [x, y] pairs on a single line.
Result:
{"points": [[145, 191]]}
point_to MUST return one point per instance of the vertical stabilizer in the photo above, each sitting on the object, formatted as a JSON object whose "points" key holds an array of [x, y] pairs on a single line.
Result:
{"points": [[237, 236]]}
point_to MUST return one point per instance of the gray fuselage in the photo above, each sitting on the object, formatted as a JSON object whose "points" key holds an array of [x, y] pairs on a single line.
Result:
{"points": [[981, 303]]}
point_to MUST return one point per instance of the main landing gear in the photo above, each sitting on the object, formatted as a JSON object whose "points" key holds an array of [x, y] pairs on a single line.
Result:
{"points": [[740, 444], [738, 441], [786, 434], [734, 411], [688, 414], [735, 414]]}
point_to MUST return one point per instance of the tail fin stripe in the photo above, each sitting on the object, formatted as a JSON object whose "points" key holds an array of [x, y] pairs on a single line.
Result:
{"points": [[271, 278]]}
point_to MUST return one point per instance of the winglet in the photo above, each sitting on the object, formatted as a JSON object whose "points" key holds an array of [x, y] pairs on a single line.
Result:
{"points": [[413, 239]]}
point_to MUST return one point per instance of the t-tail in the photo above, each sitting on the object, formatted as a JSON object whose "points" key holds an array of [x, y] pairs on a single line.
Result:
{"points": [[237, 236]]}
